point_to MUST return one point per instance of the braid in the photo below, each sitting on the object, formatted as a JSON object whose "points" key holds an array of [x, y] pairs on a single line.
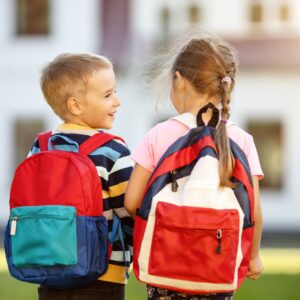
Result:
{"points": [[225, 91], [226, 162]]}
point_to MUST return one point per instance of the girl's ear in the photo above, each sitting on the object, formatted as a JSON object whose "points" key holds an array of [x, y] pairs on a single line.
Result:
{"points": [[177, 76], [74, 106], [179, 81]]}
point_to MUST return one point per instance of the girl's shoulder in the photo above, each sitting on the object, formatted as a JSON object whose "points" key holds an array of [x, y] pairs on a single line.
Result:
{"points": [[157, 141], [167, 130], [179, 125]]}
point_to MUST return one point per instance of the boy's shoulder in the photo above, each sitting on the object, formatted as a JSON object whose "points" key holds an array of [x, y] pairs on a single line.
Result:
{"points": [[116, 145]]}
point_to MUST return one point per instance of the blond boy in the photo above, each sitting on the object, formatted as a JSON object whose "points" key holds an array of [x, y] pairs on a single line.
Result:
{"points": [[81, 90]]}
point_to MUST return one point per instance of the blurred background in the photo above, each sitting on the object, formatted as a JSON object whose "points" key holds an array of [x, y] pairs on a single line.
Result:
{"points": [[266, 100]]}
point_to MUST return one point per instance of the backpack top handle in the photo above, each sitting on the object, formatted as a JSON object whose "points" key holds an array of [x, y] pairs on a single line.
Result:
{"points": [[43, 138]]}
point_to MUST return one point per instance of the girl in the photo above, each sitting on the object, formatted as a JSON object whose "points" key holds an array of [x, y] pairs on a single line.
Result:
{"points": [[202, 75]]}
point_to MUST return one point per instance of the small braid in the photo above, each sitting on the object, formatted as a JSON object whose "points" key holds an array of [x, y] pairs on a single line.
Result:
{"points": [[225, 96], [226, 161]]}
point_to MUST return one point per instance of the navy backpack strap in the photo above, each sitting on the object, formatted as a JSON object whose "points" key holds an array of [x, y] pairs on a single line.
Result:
{"points": [[117, 234], [43, 139], [96, 141], [113, 235]]}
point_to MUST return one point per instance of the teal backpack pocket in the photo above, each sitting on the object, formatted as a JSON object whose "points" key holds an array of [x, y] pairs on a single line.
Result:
{"points": [[43, 235]]}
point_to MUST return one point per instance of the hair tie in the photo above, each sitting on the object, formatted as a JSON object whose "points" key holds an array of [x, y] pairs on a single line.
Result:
{"points": [[227, 80]]}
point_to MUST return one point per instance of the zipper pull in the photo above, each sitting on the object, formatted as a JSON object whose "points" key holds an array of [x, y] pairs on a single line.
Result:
{"points": [[219, 238], [13, 226], [174, 185]]}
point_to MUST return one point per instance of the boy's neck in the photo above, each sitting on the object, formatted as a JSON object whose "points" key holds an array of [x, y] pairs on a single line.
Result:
{"points": [[71, 125]]}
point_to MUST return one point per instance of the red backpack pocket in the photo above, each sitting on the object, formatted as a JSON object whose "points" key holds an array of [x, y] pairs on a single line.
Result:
{"points": [[207, 241]]}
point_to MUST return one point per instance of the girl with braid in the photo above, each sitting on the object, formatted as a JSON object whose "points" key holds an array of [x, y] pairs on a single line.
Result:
{"points": [[202, 78]]}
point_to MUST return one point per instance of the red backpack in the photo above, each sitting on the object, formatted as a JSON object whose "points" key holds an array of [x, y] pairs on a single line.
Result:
{"points": [[192, 235], [57, 235]]}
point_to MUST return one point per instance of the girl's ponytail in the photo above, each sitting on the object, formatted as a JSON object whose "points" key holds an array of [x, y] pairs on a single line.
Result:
{"points": [[226, 161]]}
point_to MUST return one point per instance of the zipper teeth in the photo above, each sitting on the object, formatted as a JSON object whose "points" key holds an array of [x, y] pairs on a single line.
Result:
{"points": [[191, 228], [17, 218]]}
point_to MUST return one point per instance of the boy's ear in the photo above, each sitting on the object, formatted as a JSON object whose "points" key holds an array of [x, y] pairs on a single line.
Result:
{"points": [[74, 106]]}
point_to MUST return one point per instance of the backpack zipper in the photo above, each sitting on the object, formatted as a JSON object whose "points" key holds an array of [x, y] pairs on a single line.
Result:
{"points": [[219, 239], [219, 233], [174, 185], [13, 227]]}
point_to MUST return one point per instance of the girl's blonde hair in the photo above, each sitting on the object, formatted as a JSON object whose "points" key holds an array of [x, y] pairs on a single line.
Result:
{"points": [[67, 75], [205, 61]]}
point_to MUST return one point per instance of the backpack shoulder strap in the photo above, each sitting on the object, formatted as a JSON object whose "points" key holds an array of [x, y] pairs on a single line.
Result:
{"points": [[96, 141], [43, 139]]}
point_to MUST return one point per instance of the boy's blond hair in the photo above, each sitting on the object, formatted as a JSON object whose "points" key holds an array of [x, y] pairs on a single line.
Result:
{"points": [[67, 75]]}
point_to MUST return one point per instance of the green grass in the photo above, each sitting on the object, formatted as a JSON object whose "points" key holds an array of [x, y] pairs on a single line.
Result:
{"points": [[280, 281], [134, 289], [11, 289], [268, 287], [271, 287]]}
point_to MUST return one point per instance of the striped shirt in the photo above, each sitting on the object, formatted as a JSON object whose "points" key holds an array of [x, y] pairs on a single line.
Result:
{"points": [[114, 167]]}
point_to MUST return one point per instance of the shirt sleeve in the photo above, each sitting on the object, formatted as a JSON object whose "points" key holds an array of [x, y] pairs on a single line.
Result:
{"points": [[246, 143], [143, 153], [253, 159]]}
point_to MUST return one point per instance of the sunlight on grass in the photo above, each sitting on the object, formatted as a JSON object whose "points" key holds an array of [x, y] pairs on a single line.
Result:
{"points": [[276, 261], [3, 265], [281, 261]]}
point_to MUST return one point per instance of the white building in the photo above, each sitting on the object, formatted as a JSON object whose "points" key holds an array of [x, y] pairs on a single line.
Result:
{"points": [[266, 33]]}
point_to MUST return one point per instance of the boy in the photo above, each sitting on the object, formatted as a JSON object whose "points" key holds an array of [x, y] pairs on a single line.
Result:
{"points": [[80, 88]]}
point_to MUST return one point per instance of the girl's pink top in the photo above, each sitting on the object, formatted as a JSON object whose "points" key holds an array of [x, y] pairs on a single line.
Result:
{"points": [[160, 137]]}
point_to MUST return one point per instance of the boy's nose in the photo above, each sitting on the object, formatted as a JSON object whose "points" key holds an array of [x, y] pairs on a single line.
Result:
{"points": [[117, 101]]}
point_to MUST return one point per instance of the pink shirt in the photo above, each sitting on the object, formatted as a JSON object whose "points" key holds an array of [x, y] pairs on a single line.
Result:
{"points": [[160, 137]]}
